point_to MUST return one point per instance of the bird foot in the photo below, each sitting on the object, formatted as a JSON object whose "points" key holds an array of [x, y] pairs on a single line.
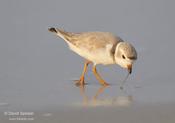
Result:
{"points": [[80, 82], [105, 84]]}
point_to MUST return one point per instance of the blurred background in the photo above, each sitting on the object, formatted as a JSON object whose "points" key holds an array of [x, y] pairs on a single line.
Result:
{"points": [[37, 69]]}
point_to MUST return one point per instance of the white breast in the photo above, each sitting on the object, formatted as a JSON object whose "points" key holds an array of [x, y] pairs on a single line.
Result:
{"points": [[101, 56]]}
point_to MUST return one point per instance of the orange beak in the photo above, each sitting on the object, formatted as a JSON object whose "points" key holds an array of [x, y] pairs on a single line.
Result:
{"points": [[129, 68]]}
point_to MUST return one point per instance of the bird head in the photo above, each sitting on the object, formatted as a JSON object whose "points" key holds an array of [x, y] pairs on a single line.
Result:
{"points": [[125, 55]]}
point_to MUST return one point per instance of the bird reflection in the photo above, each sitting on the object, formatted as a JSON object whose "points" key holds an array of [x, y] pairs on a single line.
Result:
{"points": [[121, 101]]}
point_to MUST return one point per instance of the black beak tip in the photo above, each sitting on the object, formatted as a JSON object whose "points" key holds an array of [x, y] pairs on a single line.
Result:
{"points": [[130, 70], [129, 67]]}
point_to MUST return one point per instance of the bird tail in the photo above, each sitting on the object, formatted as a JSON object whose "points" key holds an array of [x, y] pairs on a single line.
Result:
{"points": [[61, 33]]}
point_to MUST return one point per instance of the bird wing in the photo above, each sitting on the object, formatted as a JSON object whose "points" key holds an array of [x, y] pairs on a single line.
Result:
{"points": [[93, 41]]}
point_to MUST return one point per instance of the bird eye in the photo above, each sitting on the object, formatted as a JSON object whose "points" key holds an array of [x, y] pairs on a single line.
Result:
{"points": [[123, 56]]}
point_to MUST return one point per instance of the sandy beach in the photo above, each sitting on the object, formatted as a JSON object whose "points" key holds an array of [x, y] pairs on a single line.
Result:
{"points": [[37, 69]]}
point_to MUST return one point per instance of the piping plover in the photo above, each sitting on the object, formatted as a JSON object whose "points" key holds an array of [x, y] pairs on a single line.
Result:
{"points": [[99, 48]]}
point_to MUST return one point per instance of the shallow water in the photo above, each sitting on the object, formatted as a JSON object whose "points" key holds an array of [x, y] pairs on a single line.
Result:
{"points": [[37, 69]]}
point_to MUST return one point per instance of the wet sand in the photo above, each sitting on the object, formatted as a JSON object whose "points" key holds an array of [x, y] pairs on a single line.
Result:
{"points": [[143, 114], [92, 104], [37, 69], [160, 113]]}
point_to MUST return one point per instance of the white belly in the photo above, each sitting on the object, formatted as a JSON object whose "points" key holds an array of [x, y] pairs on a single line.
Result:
{"points": [[101, 56]]}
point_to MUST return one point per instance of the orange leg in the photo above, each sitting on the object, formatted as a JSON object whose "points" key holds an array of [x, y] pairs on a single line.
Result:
{"points": [[81, 80], [101, 81]]}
